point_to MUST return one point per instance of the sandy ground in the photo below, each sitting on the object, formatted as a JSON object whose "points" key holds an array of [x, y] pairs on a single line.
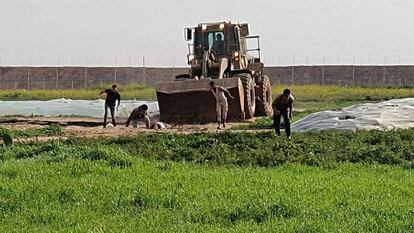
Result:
{"points": [[92, 127]]}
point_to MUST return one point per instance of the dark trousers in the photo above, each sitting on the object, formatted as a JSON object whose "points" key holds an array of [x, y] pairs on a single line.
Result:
{"points": [[276, 122], [112, 109]]}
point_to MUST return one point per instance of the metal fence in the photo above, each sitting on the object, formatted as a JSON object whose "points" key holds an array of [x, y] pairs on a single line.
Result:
{"points": [[81, 77]]}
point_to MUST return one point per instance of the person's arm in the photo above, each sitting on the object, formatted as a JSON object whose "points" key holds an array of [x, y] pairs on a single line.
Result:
{"points": [[119, 101], [100, 93], [131, 116], [227, 92], [290, 105], [147, 121], [275, 103], [129, 120]]}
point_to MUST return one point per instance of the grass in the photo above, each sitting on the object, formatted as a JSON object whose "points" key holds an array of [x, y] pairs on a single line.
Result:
{"points": [[207, 183], [303, 93], [316, 93], [132, 91], [49, 130]]}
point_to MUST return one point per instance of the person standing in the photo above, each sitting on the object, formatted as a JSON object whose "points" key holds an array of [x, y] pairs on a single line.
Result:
{"points": [[282, 106], [112, 95], [221, 103]]}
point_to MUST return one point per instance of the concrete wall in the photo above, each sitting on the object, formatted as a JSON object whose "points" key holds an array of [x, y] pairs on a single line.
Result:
{"points": [[369, 76], [79, 77]]}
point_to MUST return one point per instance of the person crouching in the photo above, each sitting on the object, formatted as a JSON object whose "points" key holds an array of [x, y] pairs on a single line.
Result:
{"points": [[282, 106], [137, 115]]}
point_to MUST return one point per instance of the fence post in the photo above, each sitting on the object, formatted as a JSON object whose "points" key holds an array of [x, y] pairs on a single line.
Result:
{"points": [[174, 67], [323, 71], [86, 77], [86, 71], [28, 78], [0, 74], [115, 75], [143, 71], [353, 75], [57, 78], [323, 75], [383, 76], [137, 68], [293, 73], [353, 72]]}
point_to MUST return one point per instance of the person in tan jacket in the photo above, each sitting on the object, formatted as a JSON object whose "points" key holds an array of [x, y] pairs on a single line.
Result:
{"points": [[137, 115], [282, 106], [222, 106]]}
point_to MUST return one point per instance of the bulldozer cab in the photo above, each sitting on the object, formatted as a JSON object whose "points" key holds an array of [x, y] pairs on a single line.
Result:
{"points": [[222, 40]]}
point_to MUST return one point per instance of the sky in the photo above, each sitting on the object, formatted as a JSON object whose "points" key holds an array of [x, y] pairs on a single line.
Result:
{"points": [[132, 32]]}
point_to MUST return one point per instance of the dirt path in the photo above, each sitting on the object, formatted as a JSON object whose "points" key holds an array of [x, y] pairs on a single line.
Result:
{"points": [[92, 127]]}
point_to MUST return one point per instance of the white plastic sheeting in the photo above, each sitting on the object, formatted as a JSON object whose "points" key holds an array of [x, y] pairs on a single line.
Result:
{"points": [[67, 107], [392, 114]]}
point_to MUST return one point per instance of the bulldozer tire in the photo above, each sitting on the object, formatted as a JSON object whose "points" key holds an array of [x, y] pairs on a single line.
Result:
{"points": [[264, 98], [249, 95]]}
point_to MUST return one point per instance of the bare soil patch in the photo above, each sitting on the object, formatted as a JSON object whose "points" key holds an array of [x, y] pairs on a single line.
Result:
{"points": [[93, 127]]}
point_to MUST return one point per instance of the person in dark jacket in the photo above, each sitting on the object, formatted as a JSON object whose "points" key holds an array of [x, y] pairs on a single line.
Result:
{"points": [[137, 115], [112, 95], [282, 106]]}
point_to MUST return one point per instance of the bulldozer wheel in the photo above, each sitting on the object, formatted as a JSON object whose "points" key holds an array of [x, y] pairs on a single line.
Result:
{"points": [[264, 98], [249, 95]]}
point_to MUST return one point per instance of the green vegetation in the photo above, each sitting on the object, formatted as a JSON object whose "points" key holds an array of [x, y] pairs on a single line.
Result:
{"points": [[315, 93], [227, 182], [303, 93], [50, 130], [132, 91]]}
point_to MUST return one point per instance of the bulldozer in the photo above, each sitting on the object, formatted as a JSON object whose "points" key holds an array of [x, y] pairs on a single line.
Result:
{"points": [[217, 52]]}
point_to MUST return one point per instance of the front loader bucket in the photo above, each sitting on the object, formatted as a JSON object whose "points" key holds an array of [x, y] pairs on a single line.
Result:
{"points": [[191, 101]]}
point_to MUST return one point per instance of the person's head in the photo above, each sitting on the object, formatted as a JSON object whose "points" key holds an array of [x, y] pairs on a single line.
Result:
{"points": [[114, 87], [219, 37], [286, 92], [212, 84], [144, 107]]}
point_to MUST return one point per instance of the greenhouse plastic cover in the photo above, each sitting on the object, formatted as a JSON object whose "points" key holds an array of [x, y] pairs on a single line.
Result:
{"points": [[392, 114], [67, 107]]}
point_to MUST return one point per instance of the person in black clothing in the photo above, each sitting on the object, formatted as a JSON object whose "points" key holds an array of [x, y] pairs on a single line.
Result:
{"points": [[112, 96], [282, 106]]}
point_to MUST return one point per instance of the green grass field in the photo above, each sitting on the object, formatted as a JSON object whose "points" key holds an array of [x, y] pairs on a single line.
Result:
{"points": [[227, 182], [304, 93], [133, 91], [330, 181]]}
